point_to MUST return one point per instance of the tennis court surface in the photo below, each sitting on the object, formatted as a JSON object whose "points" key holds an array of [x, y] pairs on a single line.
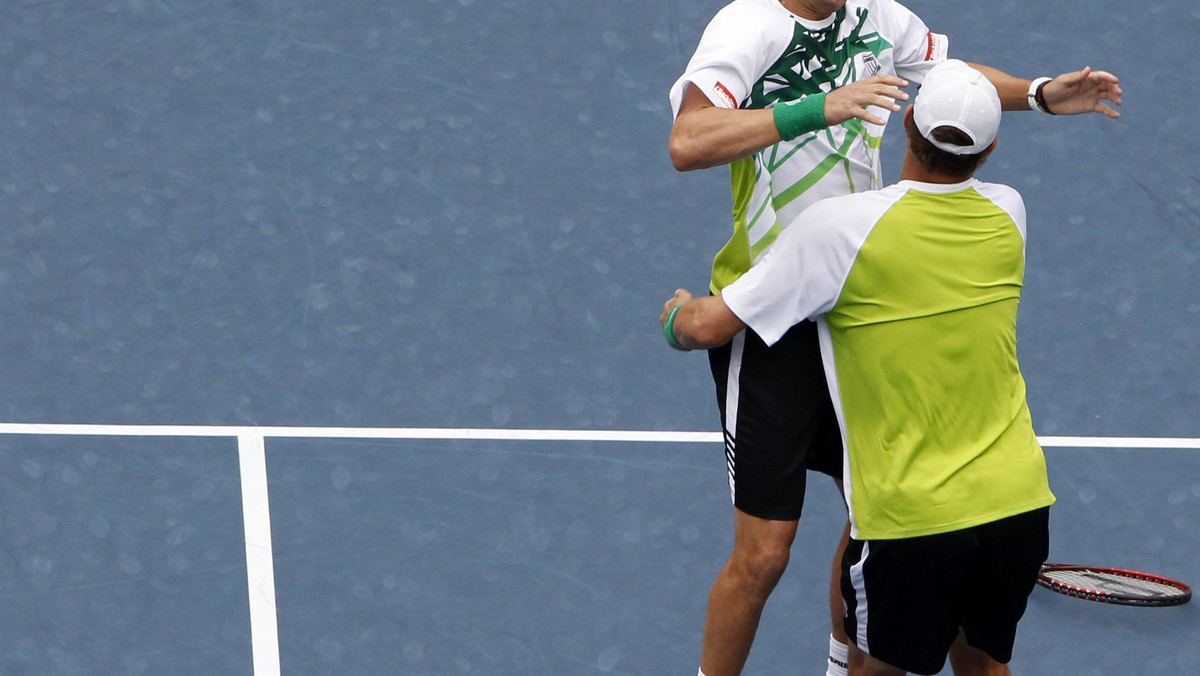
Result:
{"points": [[332, 346]]}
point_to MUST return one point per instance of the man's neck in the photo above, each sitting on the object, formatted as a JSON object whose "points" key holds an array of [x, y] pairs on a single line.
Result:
{"points": [[804, 10], [913, 170]]}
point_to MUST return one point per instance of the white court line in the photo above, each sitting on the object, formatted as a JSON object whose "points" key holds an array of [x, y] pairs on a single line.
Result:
{"points": [[256, 509], [354, 432], [260, 561], [1120, 442], [467, 433]]}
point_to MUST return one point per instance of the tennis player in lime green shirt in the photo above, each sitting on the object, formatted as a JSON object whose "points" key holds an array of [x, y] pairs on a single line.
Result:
{"points": [[915, 290]]}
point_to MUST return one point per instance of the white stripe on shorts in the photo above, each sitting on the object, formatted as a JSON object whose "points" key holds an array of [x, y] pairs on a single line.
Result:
{"points": [[859, 582], [732, 390]]}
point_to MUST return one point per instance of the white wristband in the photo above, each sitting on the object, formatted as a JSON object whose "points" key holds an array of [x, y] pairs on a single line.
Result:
{"points": [[1031, 95]]}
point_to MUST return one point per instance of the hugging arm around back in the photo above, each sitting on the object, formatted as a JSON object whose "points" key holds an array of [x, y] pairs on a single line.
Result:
{"points": [[700, 323]]}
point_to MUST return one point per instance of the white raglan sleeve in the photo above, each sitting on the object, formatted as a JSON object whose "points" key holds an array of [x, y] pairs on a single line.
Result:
{"points": [[916, 49], [802, 274], [732, 55], [1008, 199], [799, 277]]}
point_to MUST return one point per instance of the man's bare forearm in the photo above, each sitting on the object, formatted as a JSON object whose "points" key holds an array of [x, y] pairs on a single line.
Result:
{"points": [[698, 323], [710, 136], [1012, 89], [707, 136], [1074, 93]]}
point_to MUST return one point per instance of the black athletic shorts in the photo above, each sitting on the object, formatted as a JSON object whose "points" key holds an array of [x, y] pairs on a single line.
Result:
{"points": [[777, 418], [906, 599]]}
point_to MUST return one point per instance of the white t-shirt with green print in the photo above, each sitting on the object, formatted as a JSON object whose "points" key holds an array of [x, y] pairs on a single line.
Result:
{"points": [[754, 54], [915, 289]]}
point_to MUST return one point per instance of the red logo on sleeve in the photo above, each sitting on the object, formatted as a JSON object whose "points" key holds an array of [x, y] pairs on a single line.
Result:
{"points": [[724, 95], [935, 49]]}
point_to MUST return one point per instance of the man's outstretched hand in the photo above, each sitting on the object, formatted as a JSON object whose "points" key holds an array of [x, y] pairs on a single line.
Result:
{"points": [[1083, 91]]}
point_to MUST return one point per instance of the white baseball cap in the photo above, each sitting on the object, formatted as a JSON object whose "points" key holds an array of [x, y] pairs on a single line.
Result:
{"points": [[956, 95]]}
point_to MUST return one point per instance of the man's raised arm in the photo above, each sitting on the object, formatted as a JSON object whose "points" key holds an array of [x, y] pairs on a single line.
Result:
{"points": [[706, 136], [1074, 93]]}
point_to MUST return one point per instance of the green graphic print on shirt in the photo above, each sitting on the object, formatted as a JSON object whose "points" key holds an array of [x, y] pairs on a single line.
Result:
{"points": [[770, 187]]}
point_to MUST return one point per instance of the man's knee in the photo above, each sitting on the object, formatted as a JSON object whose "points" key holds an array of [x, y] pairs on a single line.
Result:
{"points": [[762, 561], [761, 548]]}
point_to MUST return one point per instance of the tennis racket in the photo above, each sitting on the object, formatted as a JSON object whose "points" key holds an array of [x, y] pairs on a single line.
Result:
{"points": [[1113, 585]]}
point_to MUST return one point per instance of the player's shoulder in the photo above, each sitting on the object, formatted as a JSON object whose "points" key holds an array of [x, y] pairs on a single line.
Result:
{"points": [[997, 189], [889, 12], [1004, 195], [867, 199], [858, 208], [1006, 198], [870, 5], [878, 5], [748, 29]]}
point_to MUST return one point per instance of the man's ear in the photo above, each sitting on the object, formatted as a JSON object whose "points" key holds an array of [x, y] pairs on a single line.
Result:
{"points": [[988, 150]]}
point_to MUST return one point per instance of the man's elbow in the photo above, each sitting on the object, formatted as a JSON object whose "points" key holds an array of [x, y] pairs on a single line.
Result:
{"points": [[707, 338], [706, 333], [686, 153], [681, 158]]}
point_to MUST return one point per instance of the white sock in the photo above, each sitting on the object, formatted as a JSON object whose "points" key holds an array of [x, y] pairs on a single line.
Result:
{"points": [[699, 672], [839, 658]]}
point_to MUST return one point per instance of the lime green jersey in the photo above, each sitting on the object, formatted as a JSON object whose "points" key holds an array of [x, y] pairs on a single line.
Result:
{"points": [[915, 288]]}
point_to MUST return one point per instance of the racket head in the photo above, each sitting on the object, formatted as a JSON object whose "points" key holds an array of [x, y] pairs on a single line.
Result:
{"points": [[1113, 585]]}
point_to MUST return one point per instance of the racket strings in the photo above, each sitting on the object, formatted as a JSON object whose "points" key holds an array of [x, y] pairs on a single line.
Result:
{"points": [[1108, 582]]}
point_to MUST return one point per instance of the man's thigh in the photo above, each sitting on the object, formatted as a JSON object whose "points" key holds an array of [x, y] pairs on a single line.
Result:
{"points": [[906, 599], [777, 418]]}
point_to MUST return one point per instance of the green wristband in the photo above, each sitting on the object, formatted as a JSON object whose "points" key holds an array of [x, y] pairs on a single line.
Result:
{"points": [[794, 118], [669, 329]]}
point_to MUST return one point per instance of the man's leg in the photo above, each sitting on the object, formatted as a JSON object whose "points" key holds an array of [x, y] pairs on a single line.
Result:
{"points": [[862, 664], [775, 409], [838, 640], [968, 661], [1011, 553], [760, 555]]}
